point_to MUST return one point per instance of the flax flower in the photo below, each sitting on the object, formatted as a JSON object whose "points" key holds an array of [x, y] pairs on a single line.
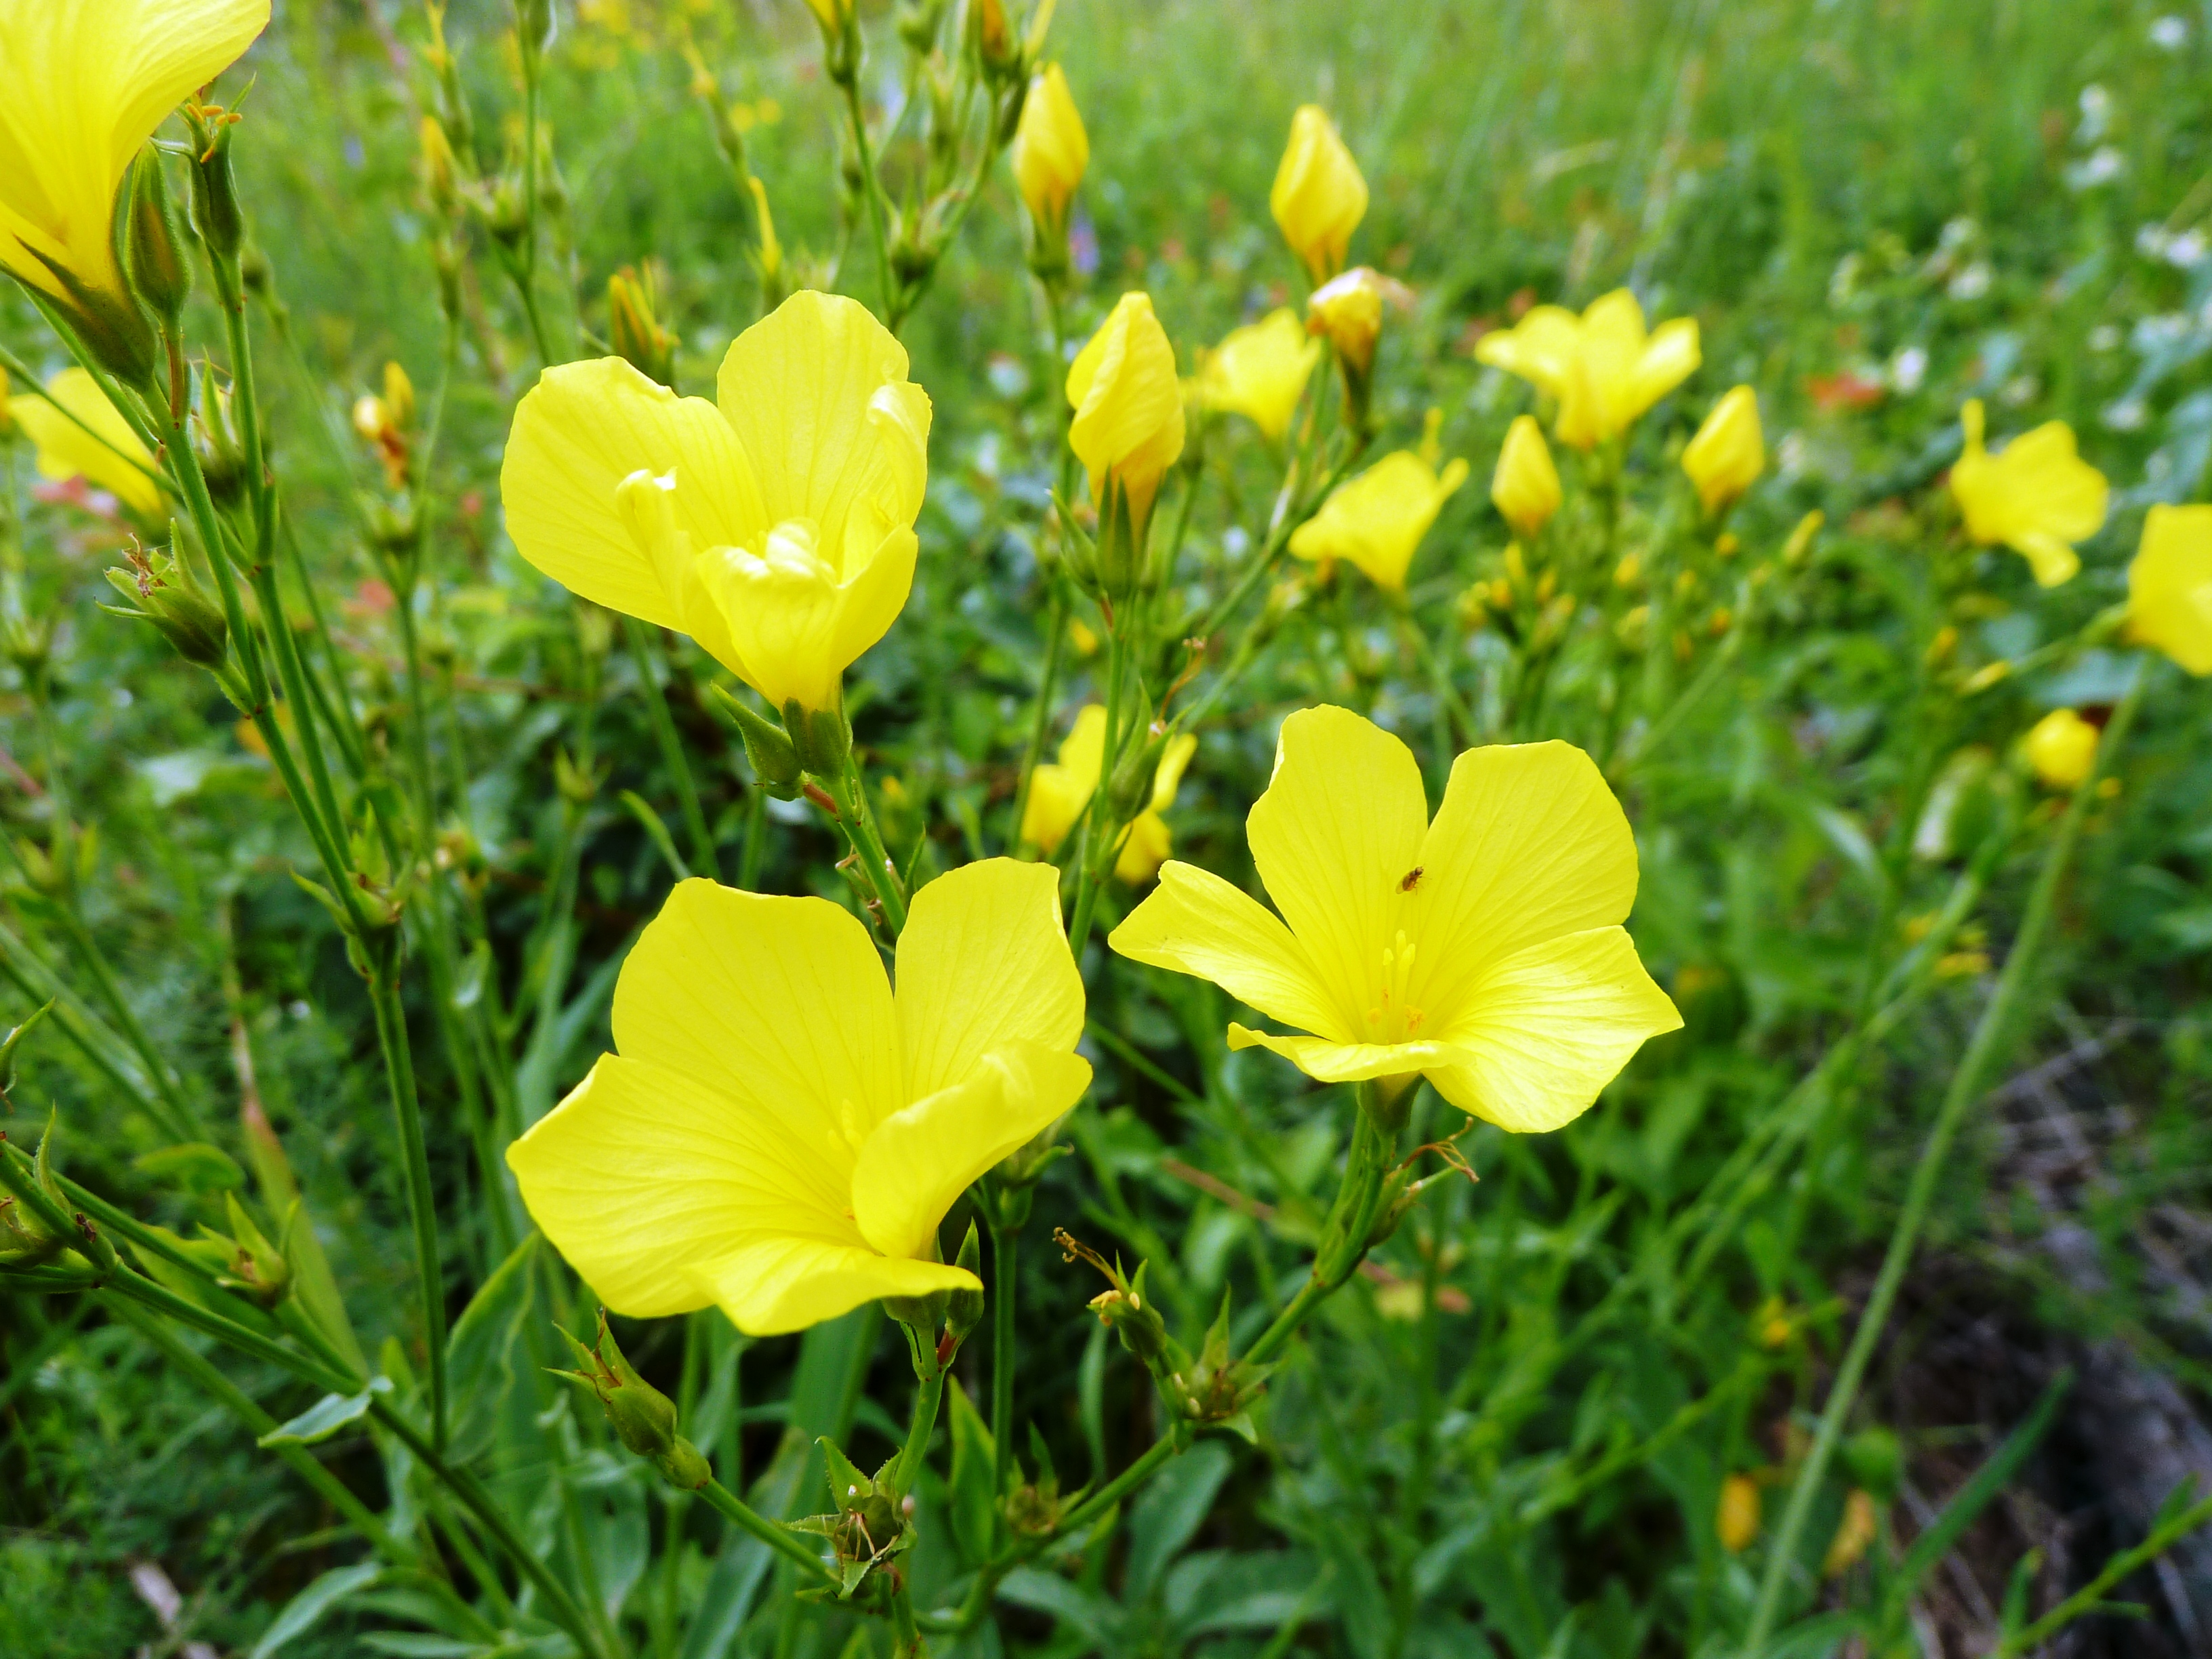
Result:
{"points": [[781, 1132], [2170, 585], [1050, 151], [1729, 451], [1127, 428], [1377, 521], [1483, 951], [776, 530], [1059, 792], [2062, 747], [1525, 488], [1259, 371], [2036, 495], [1602, 369], [1318, 196], [108, 457], [88, 81]]}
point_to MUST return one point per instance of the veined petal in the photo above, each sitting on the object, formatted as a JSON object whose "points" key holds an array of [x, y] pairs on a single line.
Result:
{"points": [[1144, 845], [817, 393], [1544, 1030], [921, 1159], [983, 964], [578, 434], [1059, 792], [793, 625], [775, 1285], [1528, 845], [1348, 1062], [1540, 349], [66, 450], [875, 592], [1669, 358], [784, 997], [1335, 834], [88, 81], [1194, 922], [643, 1176]]}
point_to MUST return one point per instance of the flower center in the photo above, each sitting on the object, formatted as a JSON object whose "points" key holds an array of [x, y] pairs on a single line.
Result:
{"points": [[1392, 1019], [789, 554]]}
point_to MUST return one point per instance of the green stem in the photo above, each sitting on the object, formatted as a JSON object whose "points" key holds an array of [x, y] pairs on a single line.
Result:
{"points": [[1983, 1051], [1003, 1242], [407, 1113], [1097, 818], [851, 791], [929, 1395], [671, 751], [755, 1525], [871, 185]]}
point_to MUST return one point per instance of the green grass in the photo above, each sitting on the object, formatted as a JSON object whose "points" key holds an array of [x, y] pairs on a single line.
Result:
{"points": [[1519, 1440]]}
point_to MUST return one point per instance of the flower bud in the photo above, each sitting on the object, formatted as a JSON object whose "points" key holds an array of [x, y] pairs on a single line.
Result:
{"points": [[256, 1269], [1729, 452], [775, 760], [167, 596], [1050, 151], [32, 1218], [996, 49], [840, 59], [215, 440], [1801, 539], [2062, 748], [153, 240], [644, 1419], [963, 1310], [1319, 198], [1127, 430], [216, 214], [1736, 1520], [1525, 486], [440, 175], [822, 738], [1122, 1308], [1349, 310], [633, 329]]}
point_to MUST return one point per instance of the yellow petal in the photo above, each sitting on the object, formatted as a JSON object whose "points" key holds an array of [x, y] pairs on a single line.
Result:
{"points": [[1540, 349], [1318, 196], [1128, 421], [795, 622], [921, 1159], [1059, 792], [1194, 922], [578, 434], [1334, 835], [1528, 845], [1259, 371], [1348, 1062], [2170, 585], [818, 396], [784, 997], [1145, 847], [1669, 358], [983, 964], [1545, 1029], [775, 1285], [1377, 520], [644, 1178], [88, 81], [1050, 148], [1168, 778], [66, 450]]}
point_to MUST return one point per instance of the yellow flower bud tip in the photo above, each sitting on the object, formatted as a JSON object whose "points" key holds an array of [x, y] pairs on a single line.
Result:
{"points": [[1602, 369], [2170, 585], [1525, 488], [1626, 572], [1737, 1520], [1377, 521], [787, 546], [1397, 949], [1855, 1535], [106, 77], [1987, 675], [1318, 196], [1259, 371], [2036, 495], [1050, 152], [1800, 538], [1348, 310], [1729, 451], [802, 1138], [1127, 428], [1727, 544], [98, 445], [1083, 637], [2062, 748]]}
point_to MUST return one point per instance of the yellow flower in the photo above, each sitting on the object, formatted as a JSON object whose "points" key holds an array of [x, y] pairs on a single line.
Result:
{"points": [[776, 530], [1128, 423], [1259, 371], [1525, 486], [1483, 951], [1729, 450], [109, 456], [1737, 1521], [1602, 367], [1059, 792], [2062, 747], [2037, 496], [781, 1133], [2170, 585], [1854, 1533], [1377, 520], [1349, 310], [1050, 152], [88, 83], [1319, 198]]}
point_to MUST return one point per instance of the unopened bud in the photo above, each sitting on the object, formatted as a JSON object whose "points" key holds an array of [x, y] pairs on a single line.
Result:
{"points": [[633, 329], [775, 760], [821, 737], [440, 170], [215, 440], [216, 214], [963, 1310], [256, 1269], [153, 240], [643, 1418]]}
